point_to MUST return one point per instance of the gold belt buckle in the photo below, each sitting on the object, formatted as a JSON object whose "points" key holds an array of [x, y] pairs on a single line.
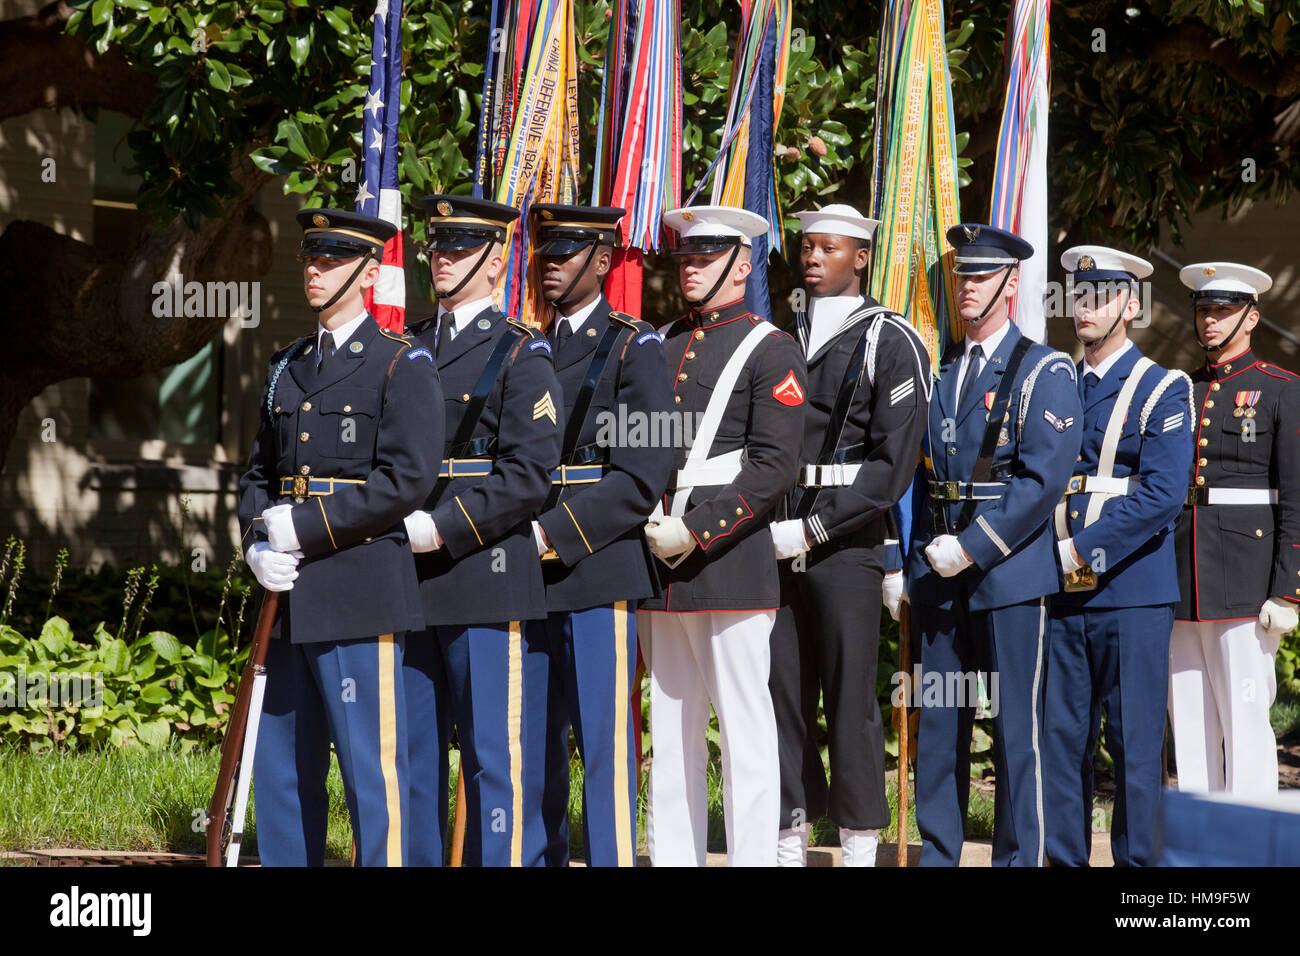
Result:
{"points": [[951, 491], [1075, 485], [1081, 579], [300, 486], [1193, 494]]}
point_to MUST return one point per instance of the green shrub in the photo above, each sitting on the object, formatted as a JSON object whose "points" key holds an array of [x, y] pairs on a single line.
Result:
{"points": [[57, 692]]}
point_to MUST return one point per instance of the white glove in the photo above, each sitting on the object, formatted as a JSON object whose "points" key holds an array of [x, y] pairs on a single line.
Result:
{"points": [[894, 589], [789, 538], [947, 556], [1066, 551], [279, 528], [420, 529], [1277, 616], [540, 537], [274, 570], [669, 537]]}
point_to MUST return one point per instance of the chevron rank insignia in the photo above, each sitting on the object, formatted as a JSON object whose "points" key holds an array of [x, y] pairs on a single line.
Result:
{"points": [[1060, 424], [544, 408], [788, 392]]}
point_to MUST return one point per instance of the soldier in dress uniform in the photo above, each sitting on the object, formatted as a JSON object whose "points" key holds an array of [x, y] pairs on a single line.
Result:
{"points": [[1238, 543], [480, 577], [738, 389], [343, 451], [1108, 630], [868, 386], [614, 377], [1003, 435]]}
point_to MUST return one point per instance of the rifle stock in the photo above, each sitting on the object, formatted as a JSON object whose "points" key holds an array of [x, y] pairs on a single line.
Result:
{"points": [[232, 745]]}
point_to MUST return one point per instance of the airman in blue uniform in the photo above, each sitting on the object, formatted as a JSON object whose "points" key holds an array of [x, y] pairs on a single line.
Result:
{"points": [[346, 445], [613, 469], [1003, 436], [480, 576], [1108, 630]]}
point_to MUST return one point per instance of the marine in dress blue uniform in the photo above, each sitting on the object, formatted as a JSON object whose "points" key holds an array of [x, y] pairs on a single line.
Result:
{"points": [[480, 577], [983, 559], [1238, 543], [1108, 630], [705, 638], [343, 451], [614, 377], [868, 388]]}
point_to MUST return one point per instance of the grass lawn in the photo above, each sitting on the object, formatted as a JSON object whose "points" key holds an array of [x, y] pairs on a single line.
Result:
{"points": [[155, 801]]}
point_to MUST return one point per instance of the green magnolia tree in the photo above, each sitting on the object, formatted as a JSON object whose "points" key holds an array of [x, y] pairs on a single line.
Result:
{"points": [[1154, 115]]}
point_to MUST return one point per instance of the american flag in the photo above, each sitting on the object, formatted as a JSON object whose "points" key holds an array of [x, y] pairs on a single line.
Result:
{"points": [[378, 194]]}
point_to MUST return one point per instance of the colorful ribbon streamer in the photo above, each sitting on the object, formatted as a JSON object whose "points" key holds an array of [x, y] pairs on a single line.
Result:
{"points": [[914, 179]]}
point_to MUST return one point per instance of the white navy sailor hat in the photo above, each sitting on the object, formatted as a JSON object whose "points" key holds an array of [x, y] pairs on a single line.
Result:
{"points": [[713, 228], [1102, 264], [839, 219], [1224, 282]]}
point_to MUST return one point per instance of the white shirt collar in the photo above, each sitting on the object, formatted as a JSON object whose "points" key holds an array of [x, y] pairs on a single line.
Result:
{"points": [[991, 344], [1108, 362], [466, 312], [578, 318], [342, 333], [826, 315]]}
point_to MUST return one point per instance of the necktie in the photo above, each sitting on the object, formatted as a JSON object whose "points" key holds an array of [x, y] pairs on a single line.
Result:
{"points": [[563, 332], [973, 363], [446, 331], [1090, 381], [326, 350]]}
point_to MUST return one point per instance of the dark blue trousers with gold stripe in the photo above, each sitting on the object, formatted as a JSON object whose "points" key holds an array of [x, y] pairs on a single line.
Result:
{"points": [[351, 693], [593, 661], [493, 684]]}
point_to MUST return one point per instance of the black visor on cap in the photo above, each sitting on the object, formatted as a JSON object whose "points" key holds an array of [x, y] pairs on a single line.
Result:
{"points": [[981, 267], [462, 236], [333, 245], [566, 240], [704, 245], [1222, 297]]}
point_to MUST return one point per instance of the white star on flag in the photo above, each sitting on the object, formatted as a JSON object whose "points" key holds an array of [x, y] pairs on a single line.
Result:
{"points": [[373, 102], [381, 9], [378, 141], [364, 192]]}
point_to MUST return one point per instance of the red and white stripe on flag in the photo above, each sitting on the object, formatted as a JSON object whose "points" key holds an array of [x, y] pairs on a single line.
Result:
{"points": [[387, 300]]}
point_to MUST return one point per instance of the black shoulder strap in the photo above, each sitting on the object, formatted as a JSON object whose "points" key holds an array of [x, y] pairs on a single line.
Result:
{"points": [[839, 416], [587, 391], [984, 464], [482, 389]]}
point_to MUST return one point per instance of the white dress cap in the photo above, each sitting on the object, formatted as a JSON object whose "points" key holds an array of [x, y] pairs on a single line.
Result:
{"points": [[712, 222], [1205, 277]]}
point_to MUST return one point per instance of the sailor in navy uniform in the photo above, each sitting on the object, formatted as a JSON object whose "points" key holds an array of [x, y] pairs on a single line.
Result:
{"points": [[342, 453], [1003, 436], [1238, 543], [1108, 630], [705, 639], [868, 388], [480, 577], [614, 377]]}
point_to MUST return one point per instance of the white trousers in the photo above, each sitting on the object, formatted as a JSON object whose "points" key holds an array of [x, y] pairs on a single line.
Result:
{"points": [[695, 658], [1221, 685]]}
